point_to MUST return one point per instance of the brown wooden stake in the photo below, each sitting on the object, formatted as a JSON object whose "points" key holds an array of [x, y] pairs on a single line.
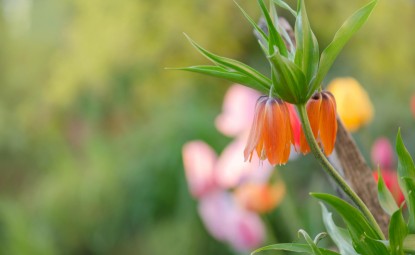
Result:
{"points": [[358, 174]]}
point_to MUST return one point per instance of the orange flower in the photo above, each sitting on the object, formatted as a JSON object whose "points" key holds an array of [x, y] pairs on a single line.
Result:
{"points": [[271, 134], [260, 197], [321, 111]]}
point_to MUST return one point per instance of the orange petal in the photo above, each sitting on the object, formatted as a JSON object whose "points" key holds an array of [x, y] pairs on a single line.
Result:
{"points": [[288, 135], [295, 125], [313, 112], [256, 129], [274, 133], [328, 122]]}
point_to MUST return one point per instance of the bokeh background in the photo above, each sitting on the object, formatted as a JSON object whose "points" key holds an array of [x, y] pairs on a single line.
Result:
{"points": [[92, 125]]}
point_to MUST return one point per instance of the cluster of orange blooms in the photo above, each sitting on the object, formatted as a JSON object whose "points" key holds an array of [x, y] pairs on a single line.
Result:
{"points": [[272, 134]]}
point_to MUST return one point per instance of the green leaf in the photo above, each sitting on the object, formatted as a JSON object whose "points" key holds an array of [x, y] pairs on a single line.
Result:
{"points": [[285, 6], [342, 36], [293, 247], [409, 183], [320, 237], [275, 39], [339, 235], [231, 64], [361, 231], [397, 233], [409, 244], [288, 80], [314, 249], [406, 173], [385, 197], [255, 25], [307, 52], [233, 76], [282, 30]]}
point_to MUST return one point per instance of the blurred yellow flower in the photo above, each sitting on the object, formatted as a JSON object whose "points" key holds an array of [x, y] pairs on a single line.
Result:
{"points": [[353, 104]]}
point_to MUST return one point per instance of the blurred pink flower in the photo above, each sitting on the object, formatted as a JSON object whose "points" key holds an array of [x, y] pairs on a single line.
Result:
{"points": [[208, 178], [205, 171], [237, 111], [214, 210], [228, 222], [232, 170], [382, 154], [199, 162], [246, 231]]}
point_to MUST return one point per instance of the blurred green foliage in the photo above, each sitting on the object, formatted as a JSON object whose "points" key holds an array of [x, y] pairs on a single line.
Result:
{"points": [[91, 125]]}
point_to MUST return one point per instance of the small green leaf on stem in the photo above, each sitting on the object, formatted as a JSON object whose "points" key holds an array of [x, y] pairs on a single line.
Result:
{"points": [[397, 233], [385, 197], [219, 72], [233, 65], [307, 53], [293, 247], [275, 40], [340, 236], [313, 246], [285, 6], [255, 25], [357, 224], [406, 173], [342, 36]]}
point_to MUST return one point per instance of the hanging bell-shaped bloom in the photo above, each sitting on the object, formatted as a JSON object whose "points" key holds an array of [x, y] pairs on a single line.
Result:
{"points": [[413, 105], [321, 111], [271, 134]]}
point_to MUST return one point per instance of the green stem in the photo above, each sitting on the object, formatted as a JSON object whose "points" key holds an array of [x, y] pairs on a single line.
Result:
{"points": [[321, 158]]}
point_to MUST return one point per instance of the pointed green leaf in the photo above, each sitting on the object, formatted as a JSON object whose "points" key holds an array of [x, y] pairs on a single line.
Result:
{"points": [[320, 237], [293, 247], [385, 197], [275, 40], [342, 36], [288, 80], [406, 166], [358, 226], [232, 64], [220, 72], [313, 246], [255, 25], [406, 173], [339, 236], [285, 6], [307, 52], [282, 30], [409, 183], [397, 233]]}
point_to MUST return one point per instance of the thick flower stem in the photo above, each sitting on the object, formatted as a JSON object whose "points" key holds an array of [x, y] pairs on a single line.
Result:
{"points": [[328, 167]]}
